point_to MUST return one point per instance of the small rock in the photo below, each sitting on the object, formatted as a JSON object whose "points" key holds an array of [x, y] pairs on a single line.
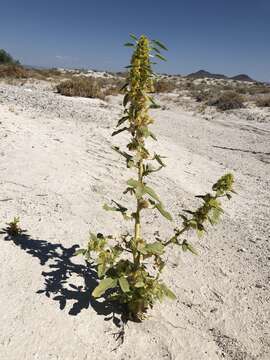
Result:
{"points": [[242, 250]]}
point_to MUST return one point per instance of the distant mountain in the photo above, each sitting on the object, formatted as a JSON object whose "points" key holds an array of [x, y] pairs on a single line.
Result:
{"points": [[242, 77], [202, 74]]}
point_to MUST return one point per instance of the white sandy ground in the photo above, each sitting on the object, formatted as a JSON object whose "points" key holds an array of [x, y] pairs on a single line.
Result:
{"points": [[56, 171]]}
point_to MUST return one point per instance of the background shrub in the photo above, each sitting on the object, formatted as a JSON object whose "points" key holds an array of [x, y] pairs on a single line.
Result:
{"points": [[164, 86], [13, 71], [84, 87], [6, 58], [263, 101], [90, 87], [227, 100]]}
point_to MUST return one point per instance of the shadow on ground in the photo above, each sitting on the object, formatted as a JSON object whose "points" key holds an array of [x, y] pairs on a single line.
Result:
{"points": [[58, 279]]}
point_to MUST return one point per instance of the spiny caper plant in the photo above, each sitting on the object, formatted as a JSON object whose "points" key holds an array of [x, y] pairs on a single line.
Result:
{"points": [[130, 266]]}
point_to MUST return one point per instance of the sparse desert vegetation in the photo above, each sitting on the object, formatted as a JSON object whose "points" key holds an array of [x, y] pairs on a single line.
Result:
{"points": [[7, 59], [263, 101], [164, 86], [58, 169], [90, 87], [228, 100], [84, 87], [10, 71]]}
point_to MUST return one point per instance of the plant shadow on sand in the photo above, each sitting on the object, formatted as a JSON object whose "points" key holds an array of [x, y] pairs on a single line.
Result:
{"points": [[58, 280]]}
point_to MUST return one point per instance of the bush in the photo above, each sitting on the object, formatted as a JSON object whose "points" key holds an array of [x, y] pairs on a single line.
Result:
{"points": [[263, 102], [201, 95], [13, 71], [90, 87], [6, 58], [164, 86], [84, 87], [227, 100], [129, 266]]}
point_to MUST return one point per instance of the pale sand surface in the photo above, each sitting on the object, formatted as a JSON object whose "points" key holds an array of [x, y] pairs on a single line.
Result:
{"points": [[56, 171]]}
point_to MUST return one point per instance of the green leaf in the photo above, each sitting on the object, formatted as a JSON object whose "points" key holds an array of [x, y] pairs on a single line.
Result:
{"points": [[168, 292], [158, 159], [120, 207], [142, 248], [151, 192], [129, 44], [142, 189], [132, 183], [200, 232], [123, 153], [126, 100], [153, 101], [156, 248], [193, 223], [154, 106], [190, 248], [133, 37], [160, 57], [93, 236], [139, 284], [124, 87], [158, 43], [122, 120], [101, 269], [124, 285], [215, 215], [163, 212], [109, 208], [120, 130], [156, 49], [152, 135], [104, 285]]}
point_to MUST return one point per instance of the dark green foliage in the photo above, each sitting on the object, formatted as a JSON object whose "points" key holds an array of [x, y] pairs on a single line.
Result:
{"points": [[6, 58]]}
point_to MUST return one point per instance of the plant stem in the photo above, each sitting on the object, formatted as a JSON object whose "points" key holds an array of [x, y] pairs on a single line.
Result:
{"points": [[171, 240], [138, 217]]}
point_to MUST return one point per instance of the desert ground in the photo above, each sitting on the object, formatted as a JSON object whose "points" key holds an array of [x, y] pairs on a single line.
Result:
{"points": [[57, 169]]}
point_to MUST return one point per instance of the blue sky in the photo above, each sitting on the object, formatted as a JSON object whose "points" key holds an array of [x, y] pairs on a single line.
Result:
{"points": [[225, 36]]}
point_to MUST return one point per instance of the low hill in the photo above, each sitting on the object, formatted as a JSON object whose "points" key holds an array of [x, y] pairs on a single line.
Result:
{"points": [[242, 77], [202, 74]]}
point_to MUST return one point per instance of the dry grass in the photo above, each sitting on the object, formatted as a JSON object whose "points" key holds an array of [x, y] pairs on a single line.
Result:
{"points": [[263, 101], [228, 100], [13, 71], [164, 86], [89, 87], [84, 87]]}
